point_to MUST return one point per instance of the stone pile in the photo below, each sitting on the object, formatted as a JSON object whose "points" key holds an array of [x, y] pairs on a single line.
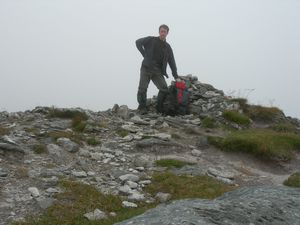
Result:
{"points": [[205, 100]]}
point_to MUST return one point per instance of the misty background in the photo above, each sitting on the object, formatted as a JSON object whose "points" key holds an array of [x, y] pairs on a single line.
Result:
{"points": [[81, 53]]}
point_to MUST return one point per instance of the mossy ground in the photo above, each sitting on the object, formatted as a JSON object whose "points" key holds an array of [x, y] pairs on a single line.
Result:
{"points": [[236, 117], [39, 149], [170, 163], [185, 186], [208, 122]]}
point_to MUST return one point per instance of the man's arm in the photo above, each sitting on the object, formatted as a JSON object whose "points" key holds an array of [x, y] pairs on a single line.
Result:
{"points": [[140, 44], [172, 63]]}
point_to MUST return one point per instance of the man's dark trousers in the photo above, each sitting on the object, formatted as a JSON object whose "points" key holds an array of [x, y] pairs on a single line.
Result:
{"points": [[158, 79]]}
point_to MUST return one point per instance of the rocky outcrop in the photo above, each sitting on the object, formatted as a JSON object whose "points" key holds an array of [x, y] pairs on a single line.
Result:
{"points": [[251, 205]]}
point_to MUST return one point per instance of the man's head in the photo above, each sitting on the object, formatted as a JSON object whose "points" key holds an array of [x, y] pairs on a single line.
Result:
{"points": [[163, 31]]}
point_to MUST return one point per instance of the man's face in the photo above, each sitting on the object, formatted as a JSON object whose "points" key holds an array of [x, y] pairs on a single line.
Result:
{"points": [[163, 33]]}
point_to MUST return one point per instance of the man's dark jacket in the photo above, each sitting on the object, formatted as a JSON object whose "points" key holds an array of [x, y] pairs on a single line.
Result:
{"points": [[146, 46]]}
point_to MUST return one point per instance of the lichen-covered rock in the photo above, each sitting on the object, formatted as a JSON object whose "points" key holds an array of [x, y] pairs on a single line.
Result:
{"points": [[252, 205]]}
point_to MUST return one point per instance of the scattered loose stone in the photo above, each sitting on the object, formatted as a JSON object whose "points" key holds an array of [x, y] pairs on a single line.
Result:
{"points": [[145, 182], [218, 173], [196, 153], [112, 214], [131, 128], [79, 174], [126, 204], [3, 174], [131, 184], [136, 196], [52, 190], [68, 145], [162, 136], [125, 190], [138, 120], [97, 214], [34, 192], [163, 197], [91, 173], [130, 177]]}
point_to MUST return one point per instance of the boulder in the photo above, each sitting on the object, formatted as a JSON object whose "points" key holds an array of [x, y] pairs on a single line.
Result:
{"points": [[250, 205]]}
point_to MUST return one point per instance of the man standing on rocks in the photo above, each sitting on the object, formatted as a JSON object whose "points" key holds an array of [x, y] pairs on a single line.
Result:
{"points": [[157, 54]]}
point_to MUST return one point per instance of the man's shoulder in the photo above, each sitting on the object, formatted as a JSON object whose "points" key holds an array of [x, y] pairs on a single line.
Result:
{"points": [[168, 45]]}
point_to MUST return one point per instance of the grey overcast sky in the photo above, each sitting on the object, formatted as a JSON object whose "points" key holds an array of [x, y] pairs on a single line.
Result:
{"points": [[81, 53]]}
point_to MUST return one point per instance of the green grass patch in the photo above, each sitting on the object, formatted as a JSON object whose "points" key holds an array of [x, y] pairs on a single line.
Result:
{"points": [[78, 123], [293, 180], [93, 141], [264, 114], [122, 132], [21, 172], [3, 131], [79, 199], [169, 163], [265, 144], [236, 117], [185, 186], [208, 122], [39, 149]]}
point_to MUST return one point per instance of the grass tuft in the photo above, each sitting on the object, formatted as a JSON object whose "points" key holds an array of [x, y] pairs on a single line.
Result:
{"points": [[3, 131], [265, 144], [293, 180], [169, 163], [122, 132], [39, 149], [185, 186], [21, 172], [175, 136], [78, 123], [208, 122], [236, 117], [93, 141]]}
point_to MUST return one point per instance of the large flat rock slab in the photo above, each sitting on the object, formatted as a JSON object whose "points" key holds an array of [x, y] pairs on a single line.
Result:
{"points": [[251, 205]]}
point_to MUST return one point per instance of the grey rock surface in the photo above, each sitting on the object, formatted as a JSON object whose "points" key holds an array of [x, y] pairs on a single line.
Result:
{"points": [[251, 205], [68, 145]]}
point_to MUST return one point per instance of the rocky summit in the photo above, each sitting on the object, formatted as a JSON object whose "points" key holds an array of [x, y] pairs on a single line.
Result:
{"points": [[119, 152]]}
